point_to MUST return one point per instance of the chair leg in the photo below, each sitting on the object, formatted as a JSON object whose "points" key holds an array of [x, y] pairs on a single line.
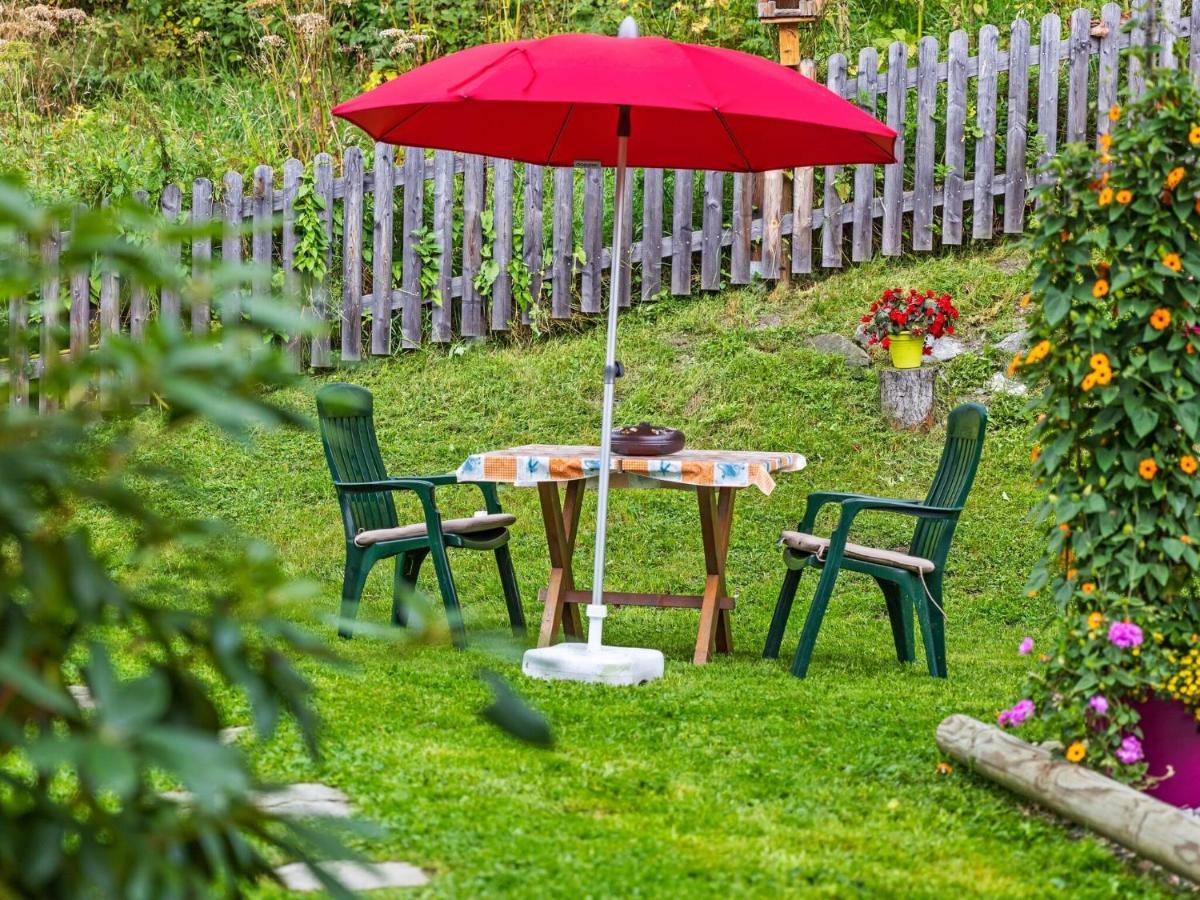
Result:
{"points": [[512, 595], [408, 567], [924, 616], [441, 565], [899, 609], [783, 609], [816, 613], [352, 586], [937, 625]]}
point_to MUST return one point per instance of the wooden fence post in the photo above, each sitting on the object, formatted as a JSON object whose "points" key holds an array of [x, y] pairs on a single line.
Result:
{"points": [[502, 248], [231, 239], [591, 286], [832, 232], [201, 251], [563, 225], [985, 143], [319, 354], [956, 140], [412, 302], [802, 201], [51, 310], [863, 237], [710, 230], [652, 232], [1017, 117], [927, 72], [352, 236], [443, 228], [682, 219], [293, 171], [383, 207], [532, 224], [474, 188], [893, 175]]}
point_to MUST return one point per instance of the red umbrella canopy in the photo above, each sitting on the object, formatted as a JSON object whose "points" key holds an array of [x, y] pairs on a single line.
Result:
{"points": [[555, 101]]}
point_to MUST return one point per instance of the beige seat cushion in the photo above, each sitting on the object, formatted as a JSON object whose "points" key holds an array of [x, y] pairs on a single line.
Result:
{"points": [[449, 526], [808, 543]]}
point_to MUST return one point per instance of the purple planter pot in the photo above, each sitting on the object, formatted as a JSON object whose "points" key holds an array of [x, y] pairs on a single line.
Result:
{"points": [[1172, 739]]}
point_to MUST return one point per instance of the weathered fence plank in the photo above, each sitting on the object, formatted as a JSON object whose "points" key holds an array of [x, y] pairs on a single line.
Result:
{"points": [[293, 171], [352, 236], [710, 230], [985, 141], [893, 175], [591, 288], [80, 322], [262, 232], [1017, 117], [1193, 43], [48, 343], [652, 232], [681, 232], [956, 140], [772, 225], [319, 354], [502, 247], [1139, 10], [743, 215], [1109, 71], [1048, 63], [382, 241], [474, 191], [413, 223], [802, 201], [1168, 32], [442, 319], [231, 239], [832, 233], [139, 299], [927, 85], [531, 233], [1080, 43], [170, 203], [201, 251], [863, 233], [562, 235]]}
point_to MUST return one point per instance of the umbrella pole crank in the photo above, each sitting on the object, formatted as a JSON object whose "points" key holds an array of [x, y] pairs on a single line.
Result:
{"points": [[596, 610]]}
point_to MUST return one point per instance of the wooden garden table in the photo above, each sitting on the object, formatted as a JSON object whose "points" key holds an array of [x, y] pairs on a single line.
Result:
{"points": [[715, 476]]}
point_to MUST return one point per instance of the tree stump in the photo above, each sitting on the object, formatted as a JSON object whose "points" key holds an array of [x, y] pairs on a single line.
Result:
{"points": [[1165, 834], [906, 396]]}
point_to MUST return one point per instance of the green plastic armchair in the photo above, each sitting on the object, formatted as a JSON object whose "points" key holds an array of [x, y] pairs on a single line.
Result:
{"points": [[908, 580], [373, 532]]}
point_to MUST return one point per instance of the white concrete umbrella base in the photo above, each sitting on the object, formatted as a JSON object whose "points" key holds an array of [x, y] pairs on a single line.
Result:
{"points": [[594, 665]]}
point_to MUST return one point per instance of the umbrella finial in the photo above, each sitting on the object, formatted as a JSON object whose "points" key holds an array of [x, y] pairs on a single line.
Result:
{"points": [[628, 28]]}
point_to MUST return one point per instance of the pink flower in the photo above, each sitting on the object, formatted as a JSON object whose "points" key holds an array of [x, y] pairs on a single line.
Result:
{"points": [[1011, 718], [1130, 751], [1026, 647], [1124, 635], [1099, 705]]}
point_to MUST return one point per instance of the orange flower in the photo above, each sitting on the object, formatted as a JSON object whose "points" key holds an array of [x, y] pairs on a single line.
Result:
{"points": [[1106, 197], [1148, 468], [1098, 361], [1014, 364], [1064, 528], [1187, 464], [1103, 376], [1172, 262], [1175, 176], [1038, 352], [1185, 539], [1124, 196], [1105, 142], [1100, 288], [1197, 207], [1194, 135], [1071, 573], [1026, 299], [1114, 113], [1076, 752], [944, 768], [1089, 381], [1160, 318], [1035, 453], [1095, 620], [1088, 588]]}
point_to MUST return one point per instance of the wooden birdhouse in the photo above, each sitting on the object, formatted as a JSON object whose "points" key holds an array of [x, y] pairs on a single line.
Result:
{"points": [[788, 16]]}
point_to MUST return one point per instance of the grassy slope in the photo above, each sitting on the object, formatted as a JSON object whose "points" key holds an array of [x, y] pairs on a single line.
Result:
{"points": [[730, 778]]}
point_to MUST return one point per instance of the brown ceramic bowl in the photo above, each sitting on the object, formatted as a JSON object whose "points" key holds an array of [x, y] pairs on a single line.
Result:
{"points": [[645, 439]]}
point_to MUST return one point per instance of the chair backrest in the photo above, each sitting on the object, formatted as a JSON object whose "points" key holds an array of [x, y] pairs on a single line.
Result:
{"points": [[347, 422], [952, 483]]}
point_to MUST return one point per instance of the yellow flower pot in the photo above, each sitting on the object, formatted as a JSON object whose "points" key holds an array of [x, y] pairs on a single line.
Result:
{"points": [[906, 350]]}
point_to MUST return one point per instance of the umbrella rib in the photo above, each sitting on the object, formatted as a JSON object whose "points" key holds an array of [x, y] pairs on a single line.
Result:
{"points": [[383, 138], [733, 140], [558, 137]]}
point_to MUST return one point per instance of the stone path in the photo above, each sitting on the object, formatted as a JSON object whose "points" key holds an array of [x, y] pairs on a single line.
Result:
{"points": [[305, 800], [354, 875]]}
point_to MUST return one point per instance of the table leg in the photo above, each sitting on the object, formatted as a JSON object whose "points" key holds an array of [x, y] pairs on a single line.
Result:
{"points": [[561, 519], [716, 520]]}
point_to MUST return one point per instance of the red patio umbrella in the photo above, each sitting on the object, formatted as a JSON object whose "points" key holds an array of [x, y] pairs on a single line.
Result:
{"points": [[624, 101]]}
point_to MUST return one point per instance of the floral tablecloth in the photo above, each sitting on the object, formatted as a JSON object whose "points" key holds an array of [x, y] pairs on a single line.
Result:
{"points": [[533, 463]]}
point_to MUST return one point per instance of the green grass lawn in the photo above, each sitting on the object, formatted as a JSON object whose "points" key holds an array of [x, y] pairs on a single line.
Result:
{"points": [[734, 778]]}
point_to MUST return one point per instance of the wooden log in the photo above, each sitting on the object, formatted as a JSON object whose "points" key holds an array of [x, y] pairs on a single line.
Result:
{"points": [[1108, 78], [956, 142], [1153, 829], [652, 233], [502, 246], [682, 220], [352, 235], [532, 224], [591, 288], [293, 171], [411, 299], [863, 232], [710, 228], [1078, 47], [231, 242], [382, 242], [743, 215], [474, 188], [170, 203], [985, 143], [927, 84], [893, 175], [802, 200], [906, 396], [1017, 121], [833, 231], [201, 253], [319, 354], [442, 325], [562, 237]]}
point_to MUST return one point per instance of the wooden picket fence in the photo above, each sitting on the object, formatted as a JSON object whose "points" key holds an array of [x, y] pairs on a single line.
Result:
{"points": [[965, 149]]}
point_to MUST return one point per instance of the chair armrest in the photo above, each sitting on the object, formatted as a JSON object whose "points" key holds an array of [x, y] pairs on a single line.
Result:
{"points": [[491, 499], [818, 499], [852, 507], [422, 487]]}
